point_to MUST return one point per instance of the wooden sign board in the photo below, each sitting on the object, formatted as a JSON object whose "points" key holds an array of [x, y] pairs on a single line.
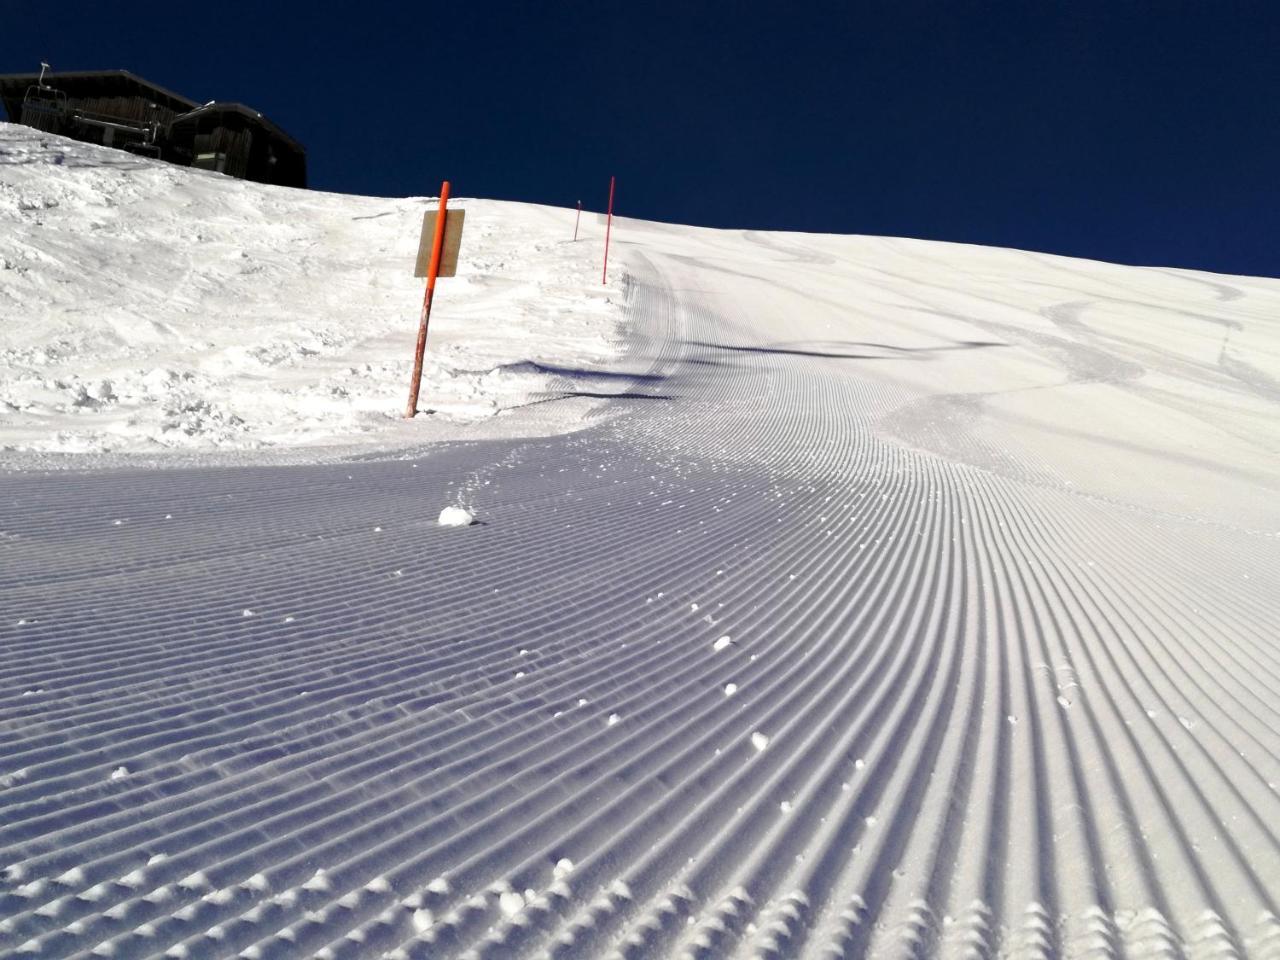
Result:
{"points": [[452, 243]]}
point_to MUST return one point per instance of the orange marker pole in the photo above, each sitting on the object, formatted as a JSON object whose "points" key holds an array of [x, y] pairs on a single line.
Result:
{"points": [[577, 220], [607, 227], [433, 268]]}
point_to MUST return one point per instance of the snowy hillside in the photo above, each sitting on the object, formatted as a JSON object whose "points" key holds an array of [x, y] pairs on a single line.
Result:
{"points": [[901, 600], [146, 307]]}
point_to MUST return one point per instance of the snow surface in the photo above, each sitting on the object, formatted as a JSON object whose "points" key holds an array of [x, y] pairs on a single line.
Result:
{"points": [[996, 537], [148, 308]]}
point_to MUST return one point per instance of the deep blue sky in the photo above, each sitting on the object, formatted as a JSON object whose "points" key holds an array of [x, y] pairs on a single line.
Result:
{"points": [[1136, 132]]}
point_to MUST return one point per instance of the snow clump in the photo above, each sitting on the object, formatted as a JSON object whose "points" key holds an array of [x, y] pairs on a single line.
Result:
{"points": [[456, 517]]}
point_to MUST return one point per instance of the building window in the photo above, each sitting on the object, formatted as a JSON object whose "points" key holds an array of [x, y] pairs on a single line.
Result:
{"points": [[211, 161]]}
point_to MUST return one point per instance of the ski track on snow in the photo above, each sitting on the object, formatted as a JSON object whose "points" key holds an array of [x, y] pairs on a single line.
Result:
{"points": [[964, 710]]}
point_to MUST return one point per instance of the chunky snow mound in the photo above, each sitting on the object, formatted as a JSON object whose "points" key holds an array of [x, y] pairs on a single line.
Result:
{"points": [[456, 517], [146, 307]]}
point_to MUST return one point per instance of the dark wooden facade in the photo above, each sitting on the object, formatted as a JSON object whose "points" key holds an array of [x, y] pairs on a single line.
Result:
{"points": [[117, 109], [239, 141]]}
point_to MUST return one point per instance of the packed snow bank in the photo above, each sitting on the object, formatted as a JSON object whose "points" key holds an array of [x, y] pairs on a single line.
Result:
{"points": [[146, 307]]}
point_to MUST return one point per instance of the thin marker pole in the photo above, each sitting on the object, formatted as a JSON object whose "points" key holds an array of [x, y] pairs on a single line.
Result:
{"points": [[577, 220], [607, 227], [433, 268]]}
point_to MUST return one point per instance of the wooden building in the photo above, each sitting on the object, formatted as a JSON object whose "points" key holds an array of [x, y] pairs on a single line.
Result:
{"points": [[239, 141], [117, 109]]}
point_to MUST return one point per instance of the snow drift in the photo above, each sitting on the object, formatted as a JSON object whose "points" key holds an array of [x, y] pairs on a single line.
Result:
{"points": [[146, 307]]}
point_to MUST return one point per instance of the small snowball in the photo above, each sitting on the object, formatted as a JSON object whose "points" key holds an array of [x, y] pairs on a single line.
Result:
{"points": [[730, 689], [456, 517], [510, 903], [759, 740], [722, 643]]}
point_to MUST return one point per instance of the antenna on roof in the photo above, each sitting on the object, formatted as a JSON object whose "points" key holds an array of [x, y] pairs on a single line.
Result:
{"points": [[43, 67]]}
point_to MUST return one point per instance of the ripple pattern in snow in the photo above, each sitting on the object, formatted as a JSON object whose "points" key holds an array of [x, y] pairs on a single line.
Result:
{"points": [[864, 628]]}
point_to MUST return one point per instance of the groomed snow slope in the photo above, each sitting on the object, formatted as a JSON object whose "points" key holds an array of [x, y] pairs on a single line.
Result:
{"points": [[914, 600]]}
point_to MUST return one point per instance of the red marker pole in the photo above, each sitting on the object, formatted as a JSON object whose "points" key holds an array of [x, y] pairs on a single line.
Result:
{"points": [[577, 220], [607, 227], [433, 268]]}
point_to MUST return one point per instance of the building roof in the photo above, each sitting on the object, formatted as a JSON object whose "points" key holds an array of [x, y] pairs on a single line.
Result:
{"points": [[12, 84]]}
